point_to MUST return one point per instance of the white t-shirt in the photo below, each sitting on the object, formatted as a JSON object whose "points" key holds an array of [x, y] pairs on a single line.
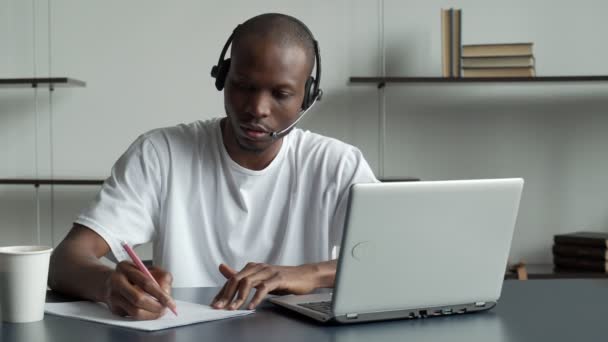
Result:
{"points": [[179, 188]]}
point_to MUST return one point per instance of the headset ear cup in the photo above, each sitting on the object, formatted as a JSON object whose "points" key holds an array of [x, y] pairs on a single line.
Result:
{"points": [[222, 72], [308, 95]]}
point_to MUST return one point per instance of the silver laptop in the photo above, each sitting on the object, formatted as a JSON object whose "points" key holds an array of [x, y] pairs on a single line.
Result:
{"points": [[419, 249]]}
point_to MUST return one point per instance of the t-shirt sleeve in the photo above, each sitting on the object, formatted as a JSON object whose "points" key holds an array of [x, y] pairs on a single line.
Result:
{"points": [[353, 170], [127, 206]]}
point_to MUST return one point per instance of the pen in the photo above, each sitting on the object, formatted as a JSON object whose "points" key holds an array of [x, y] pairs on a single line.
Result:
{"points": [[140, 265]]}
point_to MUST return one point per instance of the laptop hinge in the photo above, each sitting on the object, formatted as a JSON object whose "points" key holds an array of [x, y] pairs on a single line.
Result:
{"points": [[352, 316]]}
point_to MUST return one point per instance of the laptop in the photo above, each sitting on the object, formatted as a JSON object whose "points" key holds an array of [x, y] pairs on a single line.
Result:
{"points": [[418, 249]]}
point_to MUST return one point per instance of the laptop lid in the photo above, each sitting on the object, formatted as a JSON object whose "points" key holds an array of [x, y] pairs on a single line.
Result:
{"points": [[425, 244]]}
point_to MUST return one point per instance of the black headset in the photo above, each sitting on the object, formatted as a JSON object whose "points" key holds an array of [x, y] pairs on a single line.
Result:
{"points": [[312, 92]]}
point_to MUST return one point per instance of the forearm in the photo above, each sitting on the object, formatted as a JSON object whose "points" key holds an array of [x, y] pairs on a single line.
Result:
{"points": [[324, 273], [78, 274]]}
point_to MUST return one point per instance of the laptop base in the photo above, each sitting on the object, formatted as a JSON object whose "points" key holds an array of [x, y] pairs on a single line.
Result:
{"points": [[294, 303]]}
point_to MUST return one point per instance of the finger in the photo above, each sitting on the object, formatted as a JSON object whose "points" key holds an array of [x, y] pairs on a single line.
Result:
{"points": [[136, 277], [115, 307], [244, 287], [233, 283], [227, 271], [137, 296], [164, 278], [263, 289], [123, 304], [250, 282], [214, 303]]}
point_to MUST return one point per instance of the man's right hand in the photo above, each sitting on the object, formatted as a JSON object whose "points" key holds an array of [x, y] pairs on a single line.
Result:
{"points": [[75, 270], [131, 293]]}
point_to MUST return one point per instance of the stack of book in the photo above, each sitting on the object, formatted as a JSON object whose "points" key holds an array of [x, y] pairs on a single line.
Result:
{"points": [[581, 251], [498, 60]]}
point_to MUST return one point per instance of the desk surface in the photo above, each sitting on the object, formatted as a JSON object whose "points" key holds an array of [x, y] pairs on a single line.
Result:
{"points": [[537, 310]]}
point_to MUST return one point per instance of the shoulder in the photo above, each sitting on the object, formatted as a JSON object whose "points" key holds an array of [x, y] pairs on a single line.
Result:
{"points": [[329, 155], [182, 132], [180, 137], [317, 145]]}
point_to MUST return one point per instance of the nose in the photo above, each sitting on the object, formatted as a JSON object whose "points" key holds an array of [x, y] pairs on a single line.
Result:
{"points": [[260, 104]]}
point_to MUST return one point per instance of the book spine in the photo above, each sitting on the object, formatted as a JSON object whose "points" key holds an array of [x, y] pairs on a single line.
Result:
{"points": [[446, 42], [574, 240], [456, 42], [489, 50], [580, 264], [498, 72], [576, 251], [498, 62], [451, 44]]}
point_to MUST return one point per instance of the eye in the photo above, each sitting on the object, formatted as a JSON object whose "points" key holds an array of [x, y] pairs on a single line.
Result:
{"points": [[282, 95]]}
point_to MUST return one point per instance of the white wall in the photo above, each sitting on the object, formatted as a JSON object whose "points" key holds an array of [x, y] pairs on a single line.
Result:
{"points": [[146, 64]]}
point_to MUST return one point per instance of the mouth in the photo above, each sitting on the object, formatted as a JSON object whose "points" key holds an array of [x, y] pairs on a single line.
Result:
{"points": [[254, 132]]}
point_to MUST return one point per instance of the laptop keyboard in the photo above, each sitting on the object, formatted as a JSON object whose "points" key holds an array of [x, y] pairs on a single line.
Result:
{"points": [[323, 307]]}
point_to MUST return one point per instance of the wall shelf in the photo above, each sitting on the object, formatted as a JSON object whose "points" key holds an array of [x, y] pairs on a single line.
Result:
{"points": [[382, 81], [398, 179], [52, 82], [38, 182]]}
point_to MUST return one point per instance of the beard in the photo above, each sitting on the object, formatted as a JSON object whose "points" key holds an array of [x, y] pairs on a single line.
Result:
{"points": [[249, 148], [246, 145]]}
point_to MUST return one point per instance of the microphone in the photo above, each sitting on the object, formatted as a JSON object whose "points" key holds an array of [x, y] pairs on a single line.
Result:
{"points": [[280, 134]]}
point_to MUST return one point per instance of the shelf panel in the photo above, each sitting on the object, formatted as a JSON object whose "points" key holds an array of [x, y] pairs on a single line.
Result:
{"points": [[52, 82], [381, 81], [38, 182], [398, 179]]}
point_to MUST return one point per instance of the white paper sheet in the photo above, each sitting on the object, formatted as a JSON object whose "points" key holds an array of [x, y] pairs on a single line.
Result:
{"points": [[188, 313]]}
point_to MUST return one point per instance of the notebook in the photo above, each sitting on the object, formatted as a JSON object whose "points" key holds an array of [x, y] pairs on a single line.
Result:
{"points": [[189, 313]]}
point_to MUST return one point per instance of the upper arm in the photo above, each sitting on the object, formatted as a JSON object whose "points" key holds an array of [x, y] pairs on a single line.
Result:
{"points": [[352, 169], [81, 240], [127, 207]]}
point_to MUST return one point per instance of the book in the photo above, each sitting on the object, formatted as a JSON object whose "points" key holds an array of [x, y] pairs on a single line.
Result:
{"points": [[451, 27], [498, 62], [456, 41], [580, 264], [597, 239], [446, 42], [505, 49], [499, 72], [578, 251]]}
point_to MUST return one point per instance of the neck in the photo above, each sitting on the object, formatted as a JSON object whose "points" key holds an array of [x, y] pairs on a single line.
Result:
{"points": [[253, 160]]}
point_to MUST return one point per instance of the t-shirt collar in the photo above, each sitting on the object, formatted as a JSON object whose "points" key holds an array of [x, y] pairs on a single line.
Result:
{"points": [[235, 166]]}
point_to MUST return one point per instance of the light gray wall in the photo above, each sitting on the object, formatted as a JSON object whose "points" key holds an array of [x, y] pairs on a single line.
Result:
{"points": [[146, 64], [553, 135]]}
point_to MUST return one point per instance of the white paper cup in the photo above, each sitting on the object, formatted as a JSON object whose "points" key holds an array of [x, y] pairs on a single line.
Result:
{"points": [[23, 278]]}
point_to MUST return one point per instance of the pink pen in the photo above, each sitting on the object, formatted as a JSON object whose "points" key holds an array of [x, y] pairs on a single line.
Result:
{"points": [[140, 265]]}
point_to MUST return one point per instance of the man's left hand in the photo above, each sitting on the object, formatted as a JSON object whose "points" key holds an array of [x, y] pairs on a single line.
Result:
{"points": [[265, 279]]}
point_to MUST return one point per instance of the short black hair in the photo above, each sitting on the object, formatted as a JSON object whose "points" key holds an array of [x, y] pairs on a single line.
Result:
{"points": [[280, 28]]}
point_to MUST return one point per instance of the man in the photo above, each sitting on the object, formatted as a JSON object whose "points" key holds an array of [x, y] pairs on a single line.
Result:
{"points": [[214, 195]]}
